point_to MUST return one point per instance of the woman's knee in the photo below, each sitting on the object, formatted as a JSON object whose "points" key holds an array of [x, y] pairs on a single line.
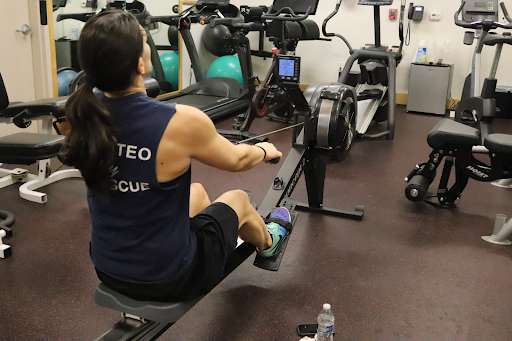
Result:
{"points": [[238, 200]]}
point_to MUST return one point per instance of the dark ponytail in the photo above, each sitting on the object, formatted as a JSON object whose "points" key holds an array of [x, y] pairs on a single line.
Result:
{"points": [[91, 143], [109, 49]]}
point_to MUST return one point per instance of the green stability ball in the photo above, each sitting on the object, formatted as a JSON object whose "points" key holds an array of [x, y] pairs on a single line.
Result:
{"points": [[226, 66], [171, 65]]}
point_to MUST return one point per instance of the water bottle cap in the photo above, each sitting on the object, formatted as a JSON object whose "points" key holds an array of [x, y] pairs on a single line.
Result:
{"points": [[327, 306]]}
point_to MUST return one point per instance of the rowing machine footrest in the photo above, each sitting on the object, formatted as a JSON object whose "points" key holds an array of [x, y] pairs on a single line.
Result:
{"points": [[273, 263]]}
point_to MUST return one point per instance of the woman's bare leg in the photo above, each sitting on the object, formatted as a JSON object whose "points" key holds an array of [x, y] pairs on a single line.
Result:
{"points": [[198, 199], [251, 227]]}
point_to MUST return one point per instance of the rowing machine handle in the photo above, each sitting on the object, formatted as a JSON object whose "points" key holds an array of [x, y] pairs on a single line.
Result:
{"points": [[274, 160]]}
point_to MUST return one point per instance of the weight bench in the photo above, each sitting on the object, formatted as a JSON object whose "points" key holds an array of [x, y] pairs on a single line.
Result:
{"points": [[454, 142], [30, 148], [448, 132], [26, 149]]}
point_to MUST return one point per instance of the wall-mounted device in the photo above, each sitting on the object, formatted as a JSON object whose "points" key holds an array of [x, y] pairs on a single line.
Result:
{"points": [[435, 16], [393, 12], [415, 12]]}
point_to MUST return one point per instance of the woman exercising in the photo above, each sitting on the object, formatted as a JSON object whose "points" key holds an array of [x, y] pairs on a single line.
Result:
{"points": [[155, 236]]}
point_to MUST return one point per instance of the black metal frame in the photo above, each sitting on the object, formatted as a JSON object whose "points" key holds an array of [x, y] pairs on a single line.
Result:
{"points": [[466, 166]]}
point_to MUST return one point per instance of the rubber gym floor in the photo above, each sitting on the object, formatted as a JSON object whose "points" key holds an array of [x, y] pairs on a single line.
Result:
{"points": [[407, 271]]}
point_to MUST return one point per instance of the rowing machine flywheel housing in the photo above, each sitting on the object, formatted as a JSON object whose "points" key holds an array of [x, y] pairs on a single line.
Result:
{"points": [[332, 125]]}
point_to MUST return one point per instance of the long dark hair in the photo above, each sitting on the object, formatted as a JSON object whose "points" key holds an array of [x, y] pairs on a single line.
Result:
{"points": [[109, 49]]}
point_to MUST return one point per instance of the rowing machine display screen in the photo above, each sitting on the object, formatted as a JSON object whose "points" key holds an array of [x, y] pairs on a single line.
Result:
{"points": [[288, 68]]}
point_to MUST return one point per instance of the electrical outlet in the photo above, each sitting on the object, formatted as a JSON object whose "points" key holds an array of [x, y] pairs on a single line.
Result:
{"points": [[83, 4]]}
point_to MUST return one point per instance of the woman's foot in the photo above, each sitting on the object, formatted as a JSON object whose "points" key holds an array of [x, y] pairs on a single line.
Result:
{"points": [[280, 219]]}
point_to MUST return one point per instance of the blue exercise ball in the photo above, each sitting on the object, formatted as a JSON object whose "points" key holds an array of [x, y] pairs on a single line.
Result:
{"points": [[226, 66], [64, 77], [171, 65]]}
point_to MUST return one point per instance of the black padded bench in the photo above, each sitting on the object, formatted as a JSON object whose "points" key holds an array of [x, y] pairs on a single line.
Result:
{"points": [[450, 132], [499, 143], [28, 148]]}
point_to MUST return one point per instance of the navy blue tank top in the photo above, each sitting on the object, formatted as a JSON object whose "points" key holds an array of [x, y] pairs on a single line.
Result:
{"points": [[141, 233]]}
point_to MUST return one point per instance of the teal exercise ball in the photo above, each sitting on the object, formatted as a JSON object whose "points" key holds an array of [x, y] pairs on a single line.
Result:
{"points": [[226, 66], [171, 65], [64, 77]]}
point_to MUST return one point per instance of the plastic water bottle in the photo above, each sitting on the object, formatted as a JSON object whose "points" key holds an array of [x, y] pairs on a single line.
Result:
{"points": [[325, 321], [421, 55], [74, 32]]}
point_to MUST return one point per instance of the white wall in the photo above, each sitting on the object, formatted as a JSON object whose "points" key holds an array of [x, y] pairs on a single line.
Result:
{"points": [[321, 60], [155, 7]]}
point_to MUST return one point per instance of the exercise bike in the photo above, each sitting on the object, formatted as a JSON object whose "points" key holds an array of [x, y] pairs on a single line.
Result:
{"points": [[477, 107], [454, 142], [285, 30]]}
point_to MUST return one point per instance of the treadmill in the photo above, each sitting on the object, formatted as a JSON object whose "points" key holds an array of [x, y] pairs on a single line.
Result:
{"points": [[217, 96]]}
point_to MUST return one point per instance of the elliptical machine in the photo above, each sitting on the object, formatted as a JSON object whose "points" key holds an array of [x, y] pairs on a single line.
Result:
{"points": [[376, 84]]}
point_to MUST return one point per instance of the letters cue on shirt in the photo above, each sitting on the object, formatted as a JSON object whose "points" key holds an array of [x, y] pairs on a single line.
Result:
{"points": [[131, 152]]}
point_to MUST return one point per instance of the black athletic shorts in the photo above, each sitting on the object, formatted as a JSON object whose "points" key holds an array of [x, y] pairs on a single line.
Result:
{"points": [[216, 228]]}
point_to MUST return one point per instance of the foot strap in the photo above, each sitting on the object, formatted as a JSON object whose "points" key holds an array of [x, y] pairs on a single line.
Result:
{"points": [[286, 224]]}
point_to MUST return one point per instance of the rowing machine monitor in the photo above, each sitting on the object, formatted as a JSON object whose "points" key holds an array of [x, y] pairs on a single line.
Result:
{"points": [[288, 68]]}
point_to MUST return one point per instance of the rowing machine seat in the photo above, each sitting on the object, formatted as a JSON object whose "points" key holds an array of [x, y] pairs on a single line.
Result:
{"points": [[161, 312]]}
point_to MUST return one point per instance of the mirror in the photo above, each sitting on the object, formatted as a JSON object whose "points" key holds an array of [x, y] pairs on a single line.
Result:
{"points": [[68, 30]]}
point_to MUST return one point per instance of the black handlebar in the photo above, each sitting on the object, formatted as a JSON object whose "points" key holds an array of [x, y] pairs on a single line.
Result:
{"points": [[329, 17], [77, 16], [195, 15], [486, 23], [505, 12], [286, 10]]}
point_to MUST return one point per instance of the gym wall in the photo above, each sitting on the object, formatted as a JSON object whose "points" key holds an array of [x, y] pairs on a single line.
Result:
{"points": [[155, 7], [321, 60]]}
